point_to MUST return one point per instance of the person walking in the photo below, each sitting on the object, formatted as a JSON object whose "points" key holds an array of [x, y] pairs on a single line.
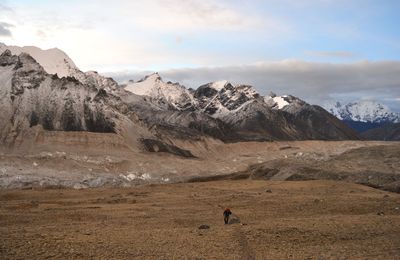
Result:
{"points": [[227, 213]]}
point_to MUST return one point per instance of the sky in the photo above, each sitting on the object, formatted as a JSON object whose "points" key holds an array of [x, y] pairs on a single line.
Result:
{"points": [[318, 50]]}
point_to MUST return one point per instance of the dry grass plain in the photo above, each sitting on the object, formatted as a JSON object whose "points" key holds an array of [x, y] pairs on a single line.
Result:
{"points": [[278, 220]]}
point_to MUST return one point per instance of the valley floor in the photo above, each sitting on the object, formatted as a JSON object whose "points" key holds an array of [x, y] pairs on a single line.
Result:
{"points": [[90, 160], [273, 220]]}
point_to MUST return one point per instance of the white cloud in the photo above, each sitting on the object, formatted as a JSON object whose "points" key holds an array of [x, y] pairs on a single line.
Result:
{"points": [[190, 15], [102, 35], [332, 54], [314, 82], [5, 29]]}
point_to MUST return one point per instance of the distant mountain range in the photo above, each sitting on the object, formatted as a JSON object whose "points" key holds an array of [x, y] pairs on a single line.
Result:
{"points": [[366, 115], [367, 111], [43, 90]]}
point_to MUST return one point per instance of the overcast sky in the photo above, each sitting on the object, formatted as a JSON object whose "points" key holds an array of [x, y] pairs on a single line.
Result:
{"points": [[318, 50]]}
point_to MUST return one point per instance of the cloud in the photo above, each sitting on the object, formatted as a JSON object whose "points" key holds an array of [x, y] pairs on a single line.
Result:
{"points": [[147, 34], [5, 29], [314, 82], [332, 54], [198, 14], [4, 8], [187, 15], [41, 34]]}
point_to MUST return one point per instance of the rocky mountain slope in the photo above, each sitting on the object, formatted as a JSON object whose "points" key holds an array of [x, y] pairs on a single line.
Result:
{"points": [[268, 118], [31, 97], [387, 132], [33, 100]]}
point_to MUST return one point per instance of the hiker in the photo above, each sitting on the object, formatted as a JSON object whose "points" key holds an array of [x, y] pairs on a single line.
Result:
{"points": [[227, 213]]}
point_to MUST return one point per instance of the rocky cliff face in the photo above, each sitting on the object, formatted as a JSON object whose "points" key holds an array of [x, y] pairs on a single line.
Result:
{"points": [[218, 99]]}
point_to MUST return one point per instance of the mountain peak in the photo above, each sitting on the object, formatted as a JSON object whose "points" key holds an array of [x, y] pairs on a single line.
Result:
{"points": [[54, 61], [151, 77], [165, 93], [221, 97]]}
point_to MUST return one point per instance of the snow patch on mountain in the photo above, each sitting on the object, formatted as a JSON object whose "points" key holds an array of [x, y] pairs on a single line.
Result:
{"points": [[276, 102], [287, 103], [218, 85], [281, 102]]}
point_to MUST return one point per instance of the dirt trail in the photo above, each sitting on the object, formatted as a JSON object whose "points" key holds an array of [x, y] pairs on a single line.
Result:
{"points": [[247, 252]]}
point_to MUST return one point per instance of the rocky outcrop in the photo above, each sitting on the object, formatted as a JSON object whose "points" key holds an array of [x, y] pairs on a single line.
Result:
{"points": [[156, 146]]}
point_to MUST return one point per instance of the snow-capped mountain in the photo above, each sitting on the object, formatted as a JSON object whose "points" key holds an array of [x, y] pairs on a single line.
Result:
{"points": [[171, 93], [367, 111], [55, 61], [29, 96]]}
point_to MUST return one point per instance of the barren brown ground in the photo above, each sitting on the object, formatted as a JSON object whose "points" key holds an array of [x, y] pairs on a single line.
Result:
{"points": [[279, 220], [74, 157]]}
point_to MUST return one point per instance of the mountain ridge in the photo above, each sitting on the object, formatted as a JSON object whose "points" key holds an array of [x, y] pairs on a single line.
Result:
{"points": [[163, 111], [367, 111], [246, 112]]}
